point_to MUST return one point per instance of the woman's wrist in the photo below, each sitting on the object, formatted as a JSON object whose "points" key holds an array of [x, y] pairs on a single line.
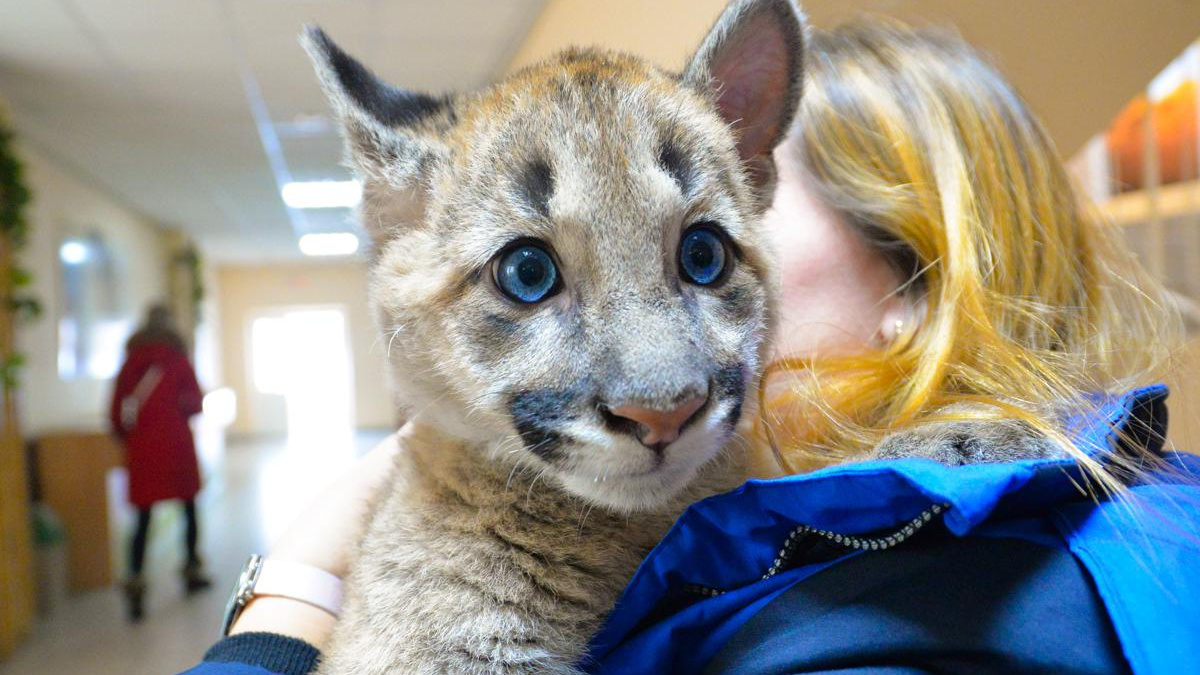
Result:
{"points": [[321, 539], [285, 616]]}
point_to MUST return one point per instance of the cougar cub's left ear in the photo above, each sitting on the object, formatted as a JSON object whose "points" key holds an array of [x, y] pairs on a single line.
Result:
{"points": [[751, 64], [393, 136]]}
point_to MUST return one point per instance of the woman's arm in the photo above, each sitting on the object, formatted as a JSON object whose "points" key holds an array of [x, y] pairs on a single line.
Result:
{"points": [[191, 397], [258, 654], [285, 636]]}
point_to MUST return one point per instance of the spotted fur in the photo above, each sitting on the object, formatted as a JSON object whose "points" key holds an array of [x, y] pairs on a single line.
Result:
{"points": [[521, 504]]}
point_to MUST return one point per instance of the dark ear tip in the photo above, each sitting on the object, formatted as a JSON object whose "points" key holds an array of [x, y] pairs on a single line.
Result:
{"points": [[789, 5], [316, 41], [790, 10]]}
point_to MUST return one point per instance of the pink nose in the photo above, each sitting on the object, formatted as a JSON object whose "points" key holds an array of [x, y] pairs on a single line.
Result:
{"points": [[657, 428]]}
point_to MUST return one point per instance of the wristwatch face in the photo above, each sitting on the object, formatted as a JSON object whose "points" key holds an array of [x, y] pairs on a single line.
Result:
{"points": [[242, 593]]}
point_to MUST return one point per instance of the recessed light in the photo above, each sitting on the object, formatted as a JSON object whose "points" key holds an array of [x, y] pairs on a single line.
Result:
{"points": [[73, 252], [305, 126], [329, 243], [322, 194]]}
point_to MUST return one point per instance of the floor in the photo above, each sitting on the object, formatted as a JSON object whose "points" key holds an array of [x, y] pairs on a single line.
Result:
{"points": [[253, 491]]}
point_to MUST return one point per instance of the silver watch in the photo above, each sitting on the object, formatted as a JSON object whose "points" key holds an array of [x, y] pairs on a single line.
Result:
{"points": [[242, 593]]}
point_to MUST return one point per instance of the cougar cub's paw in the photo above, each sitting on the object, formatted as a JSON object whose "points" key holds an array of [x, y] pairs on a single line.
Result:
{"points": [[957, 443]]}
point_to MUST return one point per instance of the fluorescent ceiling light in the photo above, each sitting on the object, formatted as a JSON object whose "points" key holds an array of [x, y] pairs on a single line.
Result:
{"points": [[73, 252], [322, 194], [329, 243]]}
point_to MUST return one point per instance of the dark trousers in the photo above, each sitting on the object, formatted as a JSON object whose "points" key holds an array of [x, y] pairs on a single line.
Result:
{"points": [[137, 549]]}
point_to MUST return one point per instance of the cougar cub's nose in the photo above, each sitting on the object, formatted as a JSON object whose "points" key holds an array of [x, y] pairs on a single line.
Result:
{"points": [[657, 428]]}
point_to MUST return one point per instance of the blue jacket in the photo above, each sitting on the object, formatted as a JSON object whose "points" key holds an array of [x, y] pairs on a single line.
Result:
{"points": [[731, 556], [722, 579]]}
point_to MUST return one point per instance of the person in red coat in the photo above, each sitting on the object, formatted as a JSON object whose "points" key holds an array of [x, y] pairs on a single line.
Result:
{"points": [[156, 393]]}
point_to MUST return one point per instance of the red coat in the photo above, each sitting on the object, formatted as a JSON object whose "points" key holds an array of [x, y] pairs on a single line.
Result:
{"points": [[160, 452]]}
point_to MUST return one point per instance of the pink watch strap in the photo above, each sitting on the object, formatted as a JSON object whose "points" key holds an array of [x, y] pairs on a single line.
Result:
{"points": [[287, 579]]}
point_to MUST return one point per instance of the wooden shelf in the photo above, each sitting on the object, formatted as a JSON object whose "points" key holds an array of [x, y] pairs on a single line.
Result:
{"points": [[1136, 208], [73, 467]]}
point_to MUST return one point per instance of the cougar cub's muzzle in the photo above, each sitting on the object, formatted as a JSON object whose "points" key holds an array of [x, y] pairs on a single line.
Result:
{"points": [[655, 427], [543, 418]]}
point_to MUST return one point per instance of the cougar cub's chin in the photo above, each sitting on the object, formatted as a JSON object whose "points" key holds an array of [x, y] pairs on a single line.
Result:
{"points": [[635, 478], [571, 280], [621, 472]]}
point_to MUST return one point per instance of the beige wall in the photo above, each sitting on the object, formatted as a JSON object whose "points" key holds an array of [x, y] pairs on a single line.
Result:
{"points": [[242, 291], [65, 205], [1183, 429], [1077, 63], [664, 31]]}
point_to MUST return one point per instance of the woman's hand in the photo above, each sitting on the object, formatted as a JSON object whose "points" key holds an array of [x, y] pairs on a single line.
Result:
{"points": [[324, 536]]}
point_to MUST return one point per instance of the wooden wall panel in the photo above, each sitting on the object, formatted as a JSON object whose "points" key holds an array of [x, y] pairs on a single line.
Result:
{"points": [[16, 554]]}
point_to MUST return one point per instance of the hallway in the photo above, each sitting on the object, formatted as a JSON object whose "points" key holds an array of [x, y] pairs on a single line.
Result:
{"points": [[251, 496]]}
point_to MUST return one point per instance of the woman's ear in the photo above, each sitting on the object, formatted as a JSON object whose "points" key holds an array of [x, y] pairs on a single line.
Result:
{"points": [[903, 315]]}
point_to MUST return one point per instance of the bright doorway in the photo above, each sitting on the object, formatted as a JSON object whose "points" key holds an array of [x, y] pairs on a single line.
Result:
{"points": [[301, 377]]}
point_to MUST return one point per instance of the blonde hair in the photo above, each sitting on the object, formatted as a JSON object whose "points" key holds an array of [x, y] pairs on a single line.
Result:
{"points": [[1030, 299]]}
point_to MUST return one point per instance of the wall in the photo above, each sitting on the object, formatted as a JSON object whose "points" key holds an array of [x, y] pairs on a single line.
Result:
{"points": [[1183, 428], [664, 31], [66, 205], [1107, 50], [241, 290]]}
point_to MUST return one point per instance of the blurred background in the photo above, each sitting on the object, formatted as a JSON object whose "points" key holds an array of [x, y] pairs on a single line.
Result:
{"points": [[181, 151]]}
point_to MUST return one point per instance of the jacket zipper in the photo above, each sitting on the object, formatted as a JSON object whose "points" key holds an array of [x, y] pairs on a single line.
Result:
{"points": [[848, 541]]}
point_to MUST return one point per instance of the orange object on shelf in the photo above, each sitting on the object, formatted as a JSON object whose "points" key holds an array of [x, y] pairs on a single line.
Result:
{"points": [[1175, 119]]}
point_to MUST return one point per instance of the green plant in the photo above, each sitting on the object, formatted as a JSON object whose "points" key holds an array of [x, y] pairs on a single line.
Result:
{"points": [[189, 260], [14, 229], [10, 369], [14, 196]]}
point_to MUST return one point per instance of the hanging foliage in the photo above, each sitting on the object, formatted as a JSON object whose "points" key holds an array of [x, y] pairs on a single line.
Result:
{"points": [[14, 196], [189, 260], [14, 229]]}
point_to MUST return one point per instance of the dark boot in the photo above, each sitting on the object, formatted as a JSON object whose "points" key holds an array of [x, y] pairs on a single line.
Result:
{"points": [[194, 579], [135, 596]]}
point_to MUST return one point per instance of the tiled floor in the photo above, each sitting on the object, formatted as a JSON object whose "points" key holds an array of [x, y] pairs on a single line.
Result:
{"points": [[253, 493]]}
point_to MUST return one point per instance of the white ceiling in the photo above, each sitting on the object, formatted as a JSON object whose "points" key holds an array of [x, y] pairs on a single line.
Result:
{"points": [[160, 101], [174, 106]]}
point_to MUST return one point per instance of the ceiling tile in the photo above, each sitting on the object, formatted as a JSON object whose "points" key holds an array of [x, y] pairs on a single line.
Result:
{"points": [[147, 98]]}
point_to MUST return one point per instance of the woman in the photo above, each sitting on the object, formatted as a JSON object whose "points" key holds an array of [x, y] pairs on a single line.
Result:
{"points": [[155, 395], [937, 270]]}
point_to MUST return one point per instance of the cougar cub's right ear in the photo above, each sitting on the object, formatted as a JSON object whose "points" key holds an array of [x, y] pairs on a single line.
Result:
{"points": [[392, 135], [751, 65]]}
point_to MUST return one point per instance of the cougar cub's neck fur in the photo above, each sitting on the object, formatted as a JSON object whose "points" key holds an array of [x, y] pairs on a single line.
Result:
{"points": [[574, 291]]}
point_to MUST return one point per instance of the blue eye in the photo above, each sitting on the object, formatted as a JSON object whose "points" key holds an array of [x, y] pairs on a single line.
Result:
{"points": [[527, 274], [702, 256]]}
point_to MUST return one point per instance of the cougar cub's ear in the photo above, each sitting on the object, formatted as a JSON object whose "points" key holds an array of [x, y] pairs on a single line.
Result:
{"points": [[392, 135], [751, 63]]}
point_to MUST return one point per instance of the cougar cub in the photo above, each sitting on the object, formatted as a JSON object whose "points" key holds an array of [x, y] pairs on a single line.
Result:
{"points": [[574, 292]]}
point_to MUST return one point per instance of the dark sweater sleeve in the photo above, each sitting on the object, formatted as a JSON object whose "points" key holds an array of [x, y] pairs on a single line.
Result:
{"points": [[258, 654]]}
